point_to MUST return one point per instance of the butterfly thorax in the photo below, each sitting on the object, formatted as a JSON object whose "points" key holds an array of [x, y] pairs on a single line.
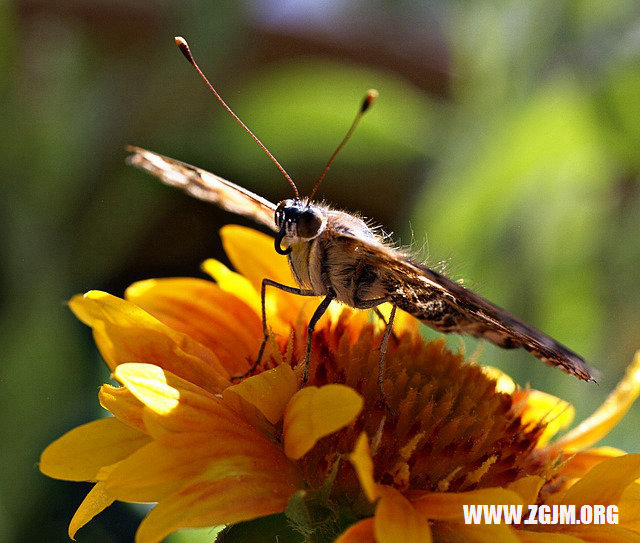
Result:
{"points": [[320, 252]]}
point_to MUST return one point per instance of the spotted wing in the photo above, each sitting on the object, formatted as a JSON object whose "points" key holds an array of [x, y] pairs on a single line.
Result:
{"points": [[204, 185], [448, 307]]}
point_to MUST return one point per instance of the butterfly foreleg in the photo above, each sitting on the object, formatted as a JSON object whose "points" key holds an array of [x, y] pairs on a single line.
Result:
{"points": [[265, 329], [320, 310]]}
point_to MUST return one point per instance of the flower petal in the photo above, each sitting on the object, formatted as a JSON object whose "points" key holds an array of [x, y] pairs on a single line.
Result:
{"points": [[270, 391], [212, 503], [629, 508], [527, 488], [403, 321], [363, 464], [155, 471], [95, 502], [601, 534], [124, 406], [526, 536], [227, 447], [600, 423], [253, 255], [504, 383], [238, 285], [174, 405], [360, 532], [126, 333], [448, 505], [233, 283], [202, 438], [203, 311], [557, 414], [161, 469], [580, 463], [396, 519], [477, 533], [79, 454], [605, 483], [157, 388], [313, 413]]}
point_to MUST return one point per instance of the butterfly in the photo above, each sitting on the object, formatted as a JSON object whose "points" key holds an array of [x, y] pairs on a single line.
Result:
{"points": [[339, 256]]}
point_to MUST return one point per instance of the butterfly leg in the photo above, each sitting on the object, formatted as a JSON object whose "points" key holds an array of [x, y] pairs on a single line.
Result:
{"points": [[383, 319], [265, 330], [320, 310], [383, 351], [373, 304]]}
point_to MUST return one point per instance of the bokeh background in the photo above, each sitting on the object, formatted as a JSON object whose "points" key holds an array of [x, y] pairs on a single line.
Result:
{"points": [[506, 142]]}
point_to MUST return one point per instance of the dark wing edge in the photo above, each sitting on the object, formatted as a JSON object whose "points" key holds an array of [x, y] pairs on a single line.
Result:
{"points": [[412, 284], [204, 185]]}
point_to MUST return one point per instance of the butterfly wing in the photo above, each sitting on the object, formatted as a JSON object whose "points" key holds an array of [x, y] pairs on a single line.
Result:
{"points": [[448, 307], [204, 185]]}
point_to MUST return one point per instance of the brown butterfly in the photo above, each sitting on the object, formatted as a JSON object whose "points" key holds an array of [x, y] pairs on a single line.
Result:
{"points": [[337, 255]]}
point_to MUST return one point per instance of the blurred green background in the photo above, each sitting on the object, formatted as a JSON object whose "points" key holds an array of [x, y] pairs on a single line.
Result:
{"points": [[506, 142]]}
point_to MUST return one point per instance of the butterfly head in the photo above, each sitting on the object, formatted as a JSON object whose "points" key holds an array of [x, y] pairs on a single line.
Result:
{"points": [[297, 220]]}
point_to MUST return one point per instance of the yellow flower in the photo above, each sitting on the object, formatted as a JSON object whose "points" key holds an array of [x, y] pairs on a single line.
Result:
{"points": [[327, 458]]}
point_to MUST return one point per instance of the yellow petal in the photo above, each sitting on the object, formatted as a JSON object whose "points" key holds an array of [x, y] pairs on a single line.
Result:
{"points": [[629, 508], [480, 533], [253, 255], [313, 413], [203, 311], [556, 413], [126, 333], [527, 488], [504, 383], [363, 464], [155, 471], [238, 285], [602, 534], [403, 322], [233, 283], [80, 453], [95, 502], [605, 483], [448, 505], [160, 469], [174, 405], [580, 463], [156, 388], [185, 417], [270, 391], [207, 503], [360, 532], [224, 447], [124, 405], [396, 520], [600, 423], [526, 536]]}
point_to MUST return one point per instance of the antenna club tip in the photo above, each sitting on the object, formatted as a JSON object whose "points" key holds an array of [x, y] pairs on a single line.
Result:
{"points": [[369, 99], [184, 47]]}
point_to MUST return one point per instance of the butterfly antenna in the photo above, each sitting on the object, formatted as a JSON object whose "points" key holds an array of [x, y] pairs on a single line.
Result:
{"points": [[184, 48], [368, 101]]}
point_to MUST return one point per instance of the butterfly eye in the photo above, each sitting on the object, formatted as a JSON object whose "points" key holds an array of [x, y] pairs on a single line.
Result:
{"points": [[279, 216], [309, 223]]}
